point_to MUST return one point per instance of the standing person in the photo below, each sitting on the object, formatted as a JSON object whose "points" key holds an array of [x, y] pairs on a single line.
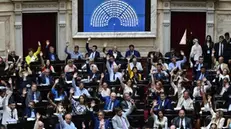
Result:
{"points": [[219, 47], [196, 52], [207, 51]]}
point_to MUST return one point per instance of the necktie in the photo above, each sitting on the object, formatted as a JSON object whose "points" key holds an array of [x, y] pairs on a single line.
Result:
{"points": [[181, 123], [109, 106], [114, 77], [12, 115], [123, 123]]}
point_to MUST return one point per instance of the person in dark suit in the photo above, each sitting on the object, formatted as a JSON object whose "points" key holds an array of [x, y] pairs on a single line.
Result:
{"points": [[46, 78], [219, 47], [197, 67], [128, 103], [13, 57], [110, 102], [117, 54], [163, 102], [181, 121], [100, 122], [93, 72], [50, 52], [33, 95], [207, 50], [202, 74], [132, 52], [92, 53], [227, 50], [30, 112]]}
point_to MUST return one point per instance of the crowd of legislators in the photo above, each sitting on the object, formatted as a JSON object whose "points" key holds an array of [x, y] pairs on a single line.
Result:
{"points": [[108, 90]]}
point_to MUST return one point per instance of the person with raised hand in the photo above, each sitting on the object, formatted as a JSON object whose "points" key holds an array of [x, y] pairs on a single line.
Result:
{"points": [[92, 53], [75, 55], [50, 52], [33, 56]]}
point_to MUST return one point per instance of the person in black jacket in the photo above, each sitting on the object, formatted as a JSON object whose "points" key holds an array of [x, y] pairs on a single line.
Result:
{"points": [[50, 52], [207, 51]]}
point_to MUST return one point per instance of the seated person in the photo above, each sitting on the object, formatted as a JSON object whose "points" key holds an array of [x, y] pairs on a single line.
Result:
{"points": [[160, 74], [117, 54], [103, 89], [93, 72], [79, 90], [132, 52], [177, 64], [69, 69], [120, 116], [224, 87], [185, 101], [201, 74], [30, 111], [50, 52], [221, 75], [10, 113], [92, 53], [110, 102], [12, 57], [133, 73], [220, 65], [202, 86], [136, 64], [32, 57], [46, 78], [38, 124], [181, 121], [46, 65], [162, 103], [75, 55], [128, 104], [160, 121], [113, 70], [58, 91], [100, 122], [33, 95], [198, 65]]}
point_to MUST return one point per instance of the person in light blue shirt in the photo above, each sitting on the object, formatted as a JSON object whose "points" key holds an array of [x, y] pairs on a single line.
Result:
{"points": [[79, 90], [75, 54], [67, 123], [177, 64], [58, 91]]}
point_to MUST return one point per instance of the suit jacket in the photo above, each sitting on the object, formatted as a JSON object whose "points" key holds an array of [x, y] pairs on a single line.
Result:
{"points": [[129, 53], [160, 76], [216, 47], [176, 122], [106, 123], [89, 51], [198, 74], [43, 79], [30, 96], [107, 100], [13, 59], [167, 104], [117, 123], [28, 112], [207, 51], [48, 55], [119, 55], [223, 66]]}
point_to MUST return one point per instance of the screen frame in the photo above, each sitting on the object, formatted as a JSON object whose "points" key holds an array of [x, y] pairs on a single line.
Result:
{"points": [[145, 34]]}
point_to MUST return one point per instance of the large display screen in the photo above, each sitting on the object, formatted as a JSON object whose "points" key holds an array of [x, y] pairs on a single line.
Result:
{"points": [[114, 15]]}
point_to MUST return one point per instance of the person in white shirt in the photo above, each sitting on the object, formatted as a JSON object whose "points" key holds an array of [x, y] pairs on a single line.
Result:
{"points": [[103, 87], [127, 88], [10, 113], [67, 123], [113, 68], [185, 101], [136, 64], [202, 86], [159, 120], [196, 51]]}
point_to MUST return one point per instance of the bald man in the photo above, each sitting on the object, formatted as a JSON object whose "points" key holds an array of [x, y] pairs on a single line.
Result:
{"points": [[67, 123], [110, 102], [117, 54]]}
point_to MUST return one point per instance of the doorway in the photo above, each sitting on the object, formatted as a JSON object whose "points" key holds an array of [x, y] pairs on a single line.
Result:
{"points": [[38, 27], [194, 22]]}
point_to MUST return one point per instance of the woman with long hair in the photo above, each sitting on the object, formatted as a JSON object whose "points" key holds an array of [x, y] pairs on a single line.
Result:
{"points": [[207, 51]]}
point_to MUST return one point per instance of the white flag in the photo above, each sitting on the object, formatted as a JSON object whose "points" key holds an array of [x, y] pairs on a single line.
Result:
{"points": [[183, 39]]}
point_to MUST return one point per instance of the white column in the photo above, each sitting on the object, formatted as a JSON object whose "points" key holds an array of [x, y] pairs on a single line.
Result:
{"points": [[61, 30], [210, 19], [18, 29], [166, 27]]}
